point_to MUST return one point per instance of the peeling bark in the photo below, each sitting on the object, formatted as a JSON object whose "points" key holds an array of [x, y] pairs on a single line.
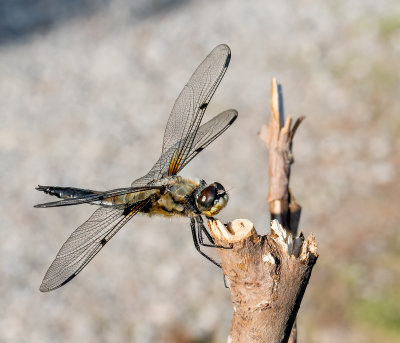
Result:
{"points": [[267, 277]]}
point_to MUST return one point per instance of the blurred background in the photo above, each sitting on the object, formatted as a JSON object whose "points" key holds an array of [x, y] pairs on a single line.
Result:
{"points": [[86, 88]]}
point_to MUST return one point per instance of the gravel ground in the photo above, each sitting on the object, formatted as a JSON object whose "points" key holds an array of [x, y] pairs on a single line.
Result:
{"points": [[86, 88]]}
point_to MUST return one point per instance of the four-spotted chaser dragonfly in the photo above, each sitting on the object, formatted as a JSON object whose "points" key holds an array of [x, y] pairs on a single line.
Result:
{"points": [[160, 191]]}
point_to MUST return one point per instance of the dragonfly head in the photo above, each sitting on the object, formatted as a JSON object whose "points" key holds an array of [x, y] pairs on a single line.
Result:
{"points": [[212, 199]]}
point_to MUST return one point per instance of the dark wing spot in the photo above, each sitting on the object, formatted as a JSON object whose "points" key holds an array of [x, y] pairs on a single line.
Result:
{"points": [[203, 106], [127, 210], [199, 149], [228, 59], [103, 242], [68, 280], [232, 120]]}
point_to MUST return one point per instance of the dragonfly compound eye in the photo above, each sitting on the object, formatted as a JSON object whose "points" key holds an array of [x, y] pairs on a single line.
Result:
{"points": [[220, 189], [212, 199], [206, 198]]}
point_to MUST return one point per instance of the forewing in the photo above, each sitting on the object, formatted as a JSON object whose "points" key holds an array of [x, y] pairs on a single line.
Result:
{"points": [[157, 172], [192, 102], [207, 133], [85, 242], [186, 115]]}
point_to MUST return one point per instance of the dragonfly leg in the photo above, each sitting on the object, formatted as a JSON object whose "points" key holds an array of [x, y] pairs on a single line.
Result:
{"points": [[200, 229], [196, 243]]}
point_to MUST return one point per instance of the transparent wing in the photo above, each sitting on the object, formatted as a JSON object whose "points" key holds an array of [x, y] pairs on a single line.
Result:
{"points": [[207, 133], [186, 115], [85, 242], [192, 102]]}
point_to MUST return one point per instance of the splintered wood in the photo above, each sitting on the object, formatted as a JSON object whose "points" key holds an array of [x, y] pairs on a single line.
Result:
{"points": [[267, 277]]}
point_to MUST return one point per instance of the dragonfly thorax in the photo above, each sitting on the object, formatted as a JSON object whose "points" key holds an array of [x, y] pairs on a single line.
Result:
{"points": [[188, 198]]}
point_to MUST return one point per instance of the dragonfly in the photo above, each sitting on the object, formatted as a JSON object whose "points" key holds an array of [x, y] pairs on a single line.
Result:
{"points": [[161, 191]]}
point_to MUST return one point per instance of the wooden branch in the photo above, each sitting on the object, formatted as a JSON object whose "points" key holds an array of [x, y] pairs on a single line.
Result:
{"points": [[267, 277], [278, 136], [279, 140]]}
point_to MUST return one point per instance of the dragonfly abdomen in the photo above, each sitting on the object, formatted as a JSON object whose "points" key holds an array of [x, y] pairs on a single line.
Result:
{"points": [[130, 198], [66, 192]]}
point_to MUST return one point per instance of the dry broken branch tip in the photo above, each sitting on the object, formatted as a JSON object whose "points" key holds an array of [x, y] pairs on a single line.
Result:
{"points": [[267, 277]]}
